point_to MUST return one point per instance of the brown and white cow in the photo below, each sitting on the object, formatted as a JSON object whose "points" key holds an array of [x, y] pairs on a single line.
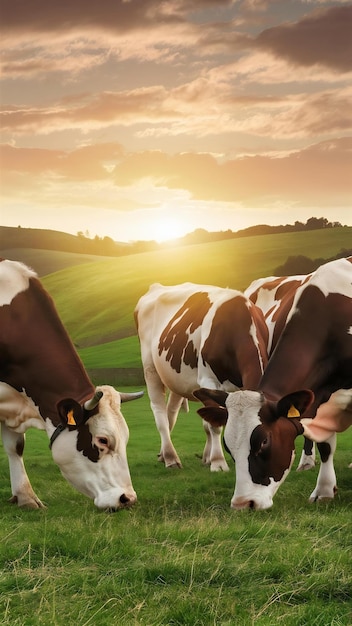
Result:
{"points": [[197, 335], [274, 296], [313, 354], [44, 384]]}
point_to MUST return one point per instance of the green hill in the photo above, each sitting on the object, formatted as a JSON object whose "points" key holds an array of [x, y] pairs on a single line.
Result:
{"points": [[96, 300], [48, 261], [96, 296]]}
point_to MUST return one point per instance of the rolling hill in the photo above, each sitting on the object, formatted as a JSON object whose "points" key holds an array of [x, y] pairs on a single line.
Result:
{"points": [[96, 296]]}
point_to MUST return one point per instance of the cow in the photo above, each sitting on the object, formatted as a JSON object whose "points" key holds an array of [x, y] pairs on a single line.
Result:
{"points": [[274, 296], [197, 335], [44, 384], [311, 361]]}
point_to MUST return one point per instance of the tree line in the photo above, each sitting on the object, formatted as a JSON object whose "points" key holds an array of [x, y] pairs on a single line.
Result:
{"points": [[82, 243]]}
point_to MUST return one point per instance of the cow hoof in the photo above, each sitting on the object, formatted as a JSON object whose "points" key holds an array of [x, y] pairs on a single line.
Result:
{"points": [[219, 467], [29, 503], [324, 497], [175, 465], [305, 467]]}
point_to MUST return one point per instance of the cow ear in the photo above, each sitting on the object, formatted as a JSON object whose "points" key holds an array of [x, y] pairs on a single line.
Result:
{"points": [[211, 397], [295, 404], [215, 415], [71, 413]]}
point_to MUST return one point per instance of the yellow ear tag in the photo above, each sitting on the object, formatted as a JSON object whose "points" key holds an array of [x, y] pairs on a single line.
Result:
{"points": [[293, 412], [70, 418]]}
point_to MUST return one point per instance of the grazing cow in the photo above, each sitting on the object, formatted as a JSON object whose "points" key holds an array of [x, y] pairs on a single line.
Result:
{"points": [[274, 296], [44, 384], [314, 355], [197, 335]]}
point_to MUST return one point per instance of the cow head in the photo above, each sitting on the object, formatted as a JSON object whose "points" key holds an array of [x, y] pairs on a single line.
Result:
{"points": [[259, 434], [89, 446]]}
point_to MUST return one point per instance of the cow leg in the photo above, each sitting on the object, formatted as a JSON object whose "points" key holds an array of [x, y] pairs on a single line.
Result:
{"points": [[326, 483], [156, 392], [307, 460], [22, 492], [174, 404], [212, 453]]}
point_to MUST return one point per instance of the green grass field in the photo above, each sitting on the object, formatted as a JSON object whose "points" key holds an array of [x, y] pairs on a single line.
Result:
{"points": [[181, 556]]}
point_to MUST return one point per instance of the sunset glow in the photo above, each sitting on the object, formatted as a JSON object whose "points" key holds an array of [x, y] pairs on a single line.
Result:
{"points": [[169, 228], [153, 120]]}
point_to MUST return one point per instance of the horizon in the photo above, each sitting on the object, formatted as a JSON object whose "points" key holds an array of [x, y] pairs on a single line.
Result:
{"points": [[335, 224]]}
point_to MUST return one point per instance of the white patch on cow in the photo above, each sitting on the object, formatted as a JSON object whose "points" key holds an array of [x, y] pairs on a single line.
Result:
{"points": [[260, 495], [326, 482], [18, 411], [243, 408], [253, 334], [332, 277], [14, 279], [108, 479]]}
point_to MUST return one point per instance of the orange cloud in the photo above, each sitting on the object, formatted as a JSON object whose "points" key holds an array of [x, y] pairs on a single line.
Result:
{"points": [[320, 173]]}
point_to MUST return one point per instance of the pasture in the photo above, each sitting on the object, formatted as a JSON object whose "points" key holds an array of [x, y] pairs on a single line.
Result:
{"points": [[181, 556]]}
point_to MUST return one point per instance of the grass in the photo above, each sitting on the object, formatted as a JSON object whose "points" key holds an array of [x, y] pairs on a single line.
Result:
{"points": [[123, 353], [181, 556]]}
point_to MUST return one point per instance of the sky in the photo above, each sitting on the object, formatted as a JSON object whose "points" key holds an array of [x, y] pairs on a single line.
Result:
{"points": [[139, 120]]}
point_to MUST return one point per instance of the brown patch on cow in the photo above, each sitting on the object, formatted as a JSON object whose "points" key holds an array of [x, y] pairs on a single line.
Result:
{"points": [[20, 445], [85, 445], [284, 296], [175, 338], [324, 450], [230, 349], [271, 448]]}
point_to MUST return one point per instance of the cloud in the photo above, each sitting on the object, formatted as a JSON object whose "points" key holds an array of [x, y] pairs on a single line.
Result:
{"points": [[320, 172], [205, 106], [321, 38], [83, 15], [91, 162], [70, 38]]}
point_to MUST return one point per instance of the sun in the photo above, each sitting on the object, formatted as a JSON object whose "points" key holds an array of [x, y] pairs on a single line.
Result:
{"points": [[168, 227]]}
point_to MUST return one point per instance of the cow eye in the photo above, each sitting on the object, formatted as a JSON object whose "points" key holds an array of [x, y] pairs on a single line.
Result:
{"points": [[103, 441], [265, 445]]}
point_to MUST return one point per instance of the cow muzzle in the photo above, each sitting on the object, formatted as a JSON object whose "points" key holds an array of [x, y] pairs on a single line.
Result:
{"points": [[125, 501], [239, 503]]}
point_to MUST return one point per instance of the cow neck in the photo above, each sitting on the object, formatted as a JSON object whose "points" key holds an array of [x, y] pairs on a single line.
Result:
{"points": [[42, 358]]}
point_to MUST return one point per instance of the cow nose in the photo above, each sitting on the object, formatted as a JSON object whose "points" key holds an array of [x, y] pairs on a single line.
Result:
{"points": [[126, 501], [243, 504]]}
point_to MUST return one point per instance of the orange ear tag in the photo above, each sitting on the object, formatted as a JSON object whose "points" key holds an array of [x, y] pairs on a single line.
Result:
{"points": [[70, 418], [293, 412]]}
